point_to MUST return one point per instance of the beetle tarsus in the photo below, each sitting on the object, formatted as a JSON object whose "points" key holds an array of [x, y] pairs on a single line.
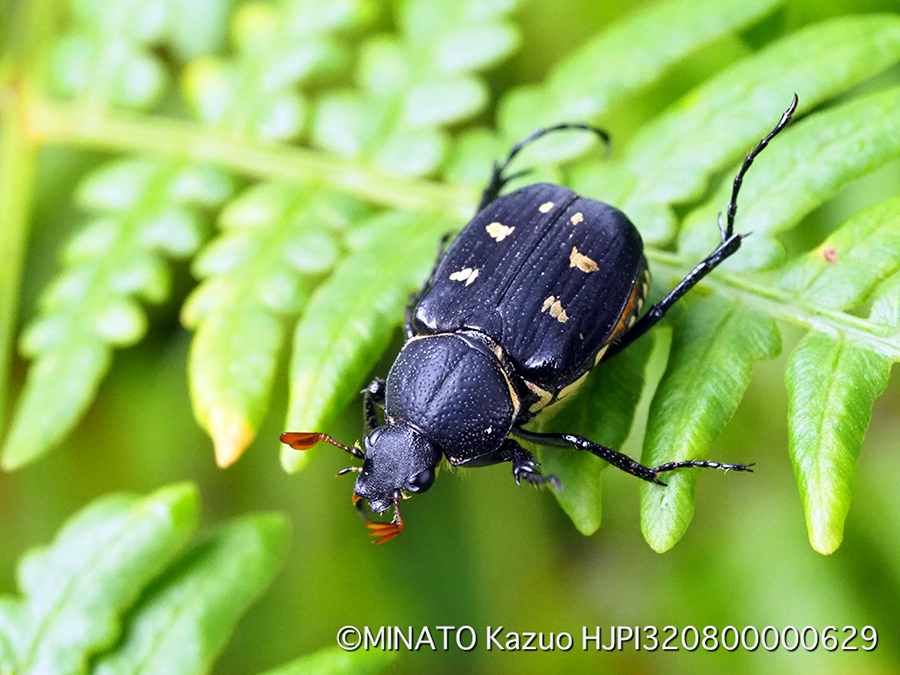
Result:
{"points": [[701, 464], [387, 531]]}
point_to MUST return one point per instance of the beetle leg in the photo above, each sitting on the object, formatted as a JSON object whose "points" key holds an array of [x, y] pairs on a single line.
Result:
{"points": [[730, 242], [620, 460], [525, 466], [658, 311], [498, 179], [415, 297], [614, 457], [373, 397]]}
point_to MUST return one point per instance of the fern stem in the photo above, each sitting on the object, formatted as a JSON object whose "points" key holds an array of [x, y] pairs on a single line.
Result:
{"points": [[780, 305], [69, 124], [177, 139], [18, 157], [28, 30]]}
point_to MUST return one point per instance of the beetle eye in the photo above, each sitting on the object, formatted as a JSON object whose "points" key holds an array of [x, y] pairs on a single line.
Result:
{"points": [[373, 437], [421, 481]]}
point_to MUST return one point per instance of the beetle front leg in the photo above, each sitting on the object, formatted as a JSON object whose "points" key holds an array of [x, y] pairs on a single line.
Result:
{"points": [[621, 460], [373, 398]]}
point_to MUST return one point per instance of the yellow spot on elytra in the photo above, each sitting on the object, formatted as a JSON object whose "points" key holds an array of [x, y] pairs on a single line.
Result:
{"points": [[600, 354], [577, 218], [499, 231], [568, 389], [466, 274], [546, 206], [581, 261], [555, 308]]}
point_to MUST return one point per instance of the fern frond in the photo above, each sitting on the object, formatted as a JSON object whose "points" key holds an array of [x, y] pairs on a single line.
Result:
{"points": [[106, 56], [278, 47], [414, 83], [714, 347], [144, 211], [97, 567], [627, 58], [671, 159], [823, 153], [122, 588], [276, 241], [330, 246], [350, 318]]}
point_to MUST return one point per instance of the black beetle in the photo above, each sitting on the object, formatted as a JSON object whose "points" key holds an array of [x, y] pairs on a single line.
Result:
{"points": [[539, 287]]}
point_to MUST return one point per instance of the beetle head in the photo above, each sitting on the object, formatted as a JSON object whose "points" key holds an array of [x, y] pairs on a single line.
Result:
{"points": [[397, 458]]}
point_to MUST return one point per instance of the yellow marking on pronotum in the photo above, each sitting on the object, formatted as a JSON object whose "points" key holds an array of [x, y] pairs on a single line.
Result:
{"points": [[555, 308], [499, 231], [546, 206], [581, 261], [466, 274], [577, 218]]}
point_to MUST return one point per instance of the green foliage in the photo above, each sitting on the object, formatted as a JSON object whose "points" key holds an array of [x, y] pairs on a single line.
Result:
{"points": [[624, 59], [126, 587], [335, 661], [709, 369], [97, 567], [274, 238], [396, 102], [670, 160], [142, 210], [279, 174], [414, 82]]}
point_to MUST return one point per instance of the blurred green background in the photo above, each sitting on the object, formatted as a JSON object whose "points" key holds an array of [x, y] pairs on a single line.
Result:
{"points": [[478, 551]]}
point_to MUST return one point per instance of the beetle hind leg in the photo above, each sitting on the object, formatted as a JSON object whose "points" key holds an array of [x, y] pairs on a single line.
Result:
{"points": [[699, 464], [730, 243]]}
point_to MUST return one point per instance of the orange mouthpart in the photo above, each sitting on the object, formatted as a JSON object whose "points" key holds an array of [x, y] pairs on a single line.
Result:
{"points": [[385, 531]]}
